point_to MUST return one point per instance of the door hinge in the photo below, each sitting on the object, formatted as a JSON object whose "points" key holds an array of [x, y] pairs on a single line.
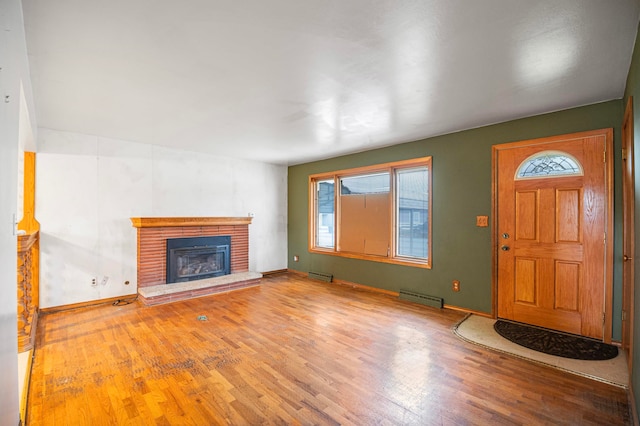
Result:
{"points": [[624, 315], [604, 156], [603, 318], [624, 154]]}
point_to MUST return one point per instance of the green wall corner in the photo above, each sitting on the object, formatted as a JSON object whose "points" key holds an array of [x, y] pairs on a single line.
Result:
{"points": [[461, 191]]}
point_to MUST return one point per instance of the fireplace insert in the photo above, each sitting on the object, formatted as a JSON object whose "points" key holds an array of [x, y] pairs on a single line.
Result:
{"points": [[197, 258]]}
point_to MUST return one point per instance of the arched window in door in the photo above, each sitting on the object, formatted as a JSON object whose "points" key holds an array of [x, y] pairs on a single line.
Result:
{"points": [[549, 164]]}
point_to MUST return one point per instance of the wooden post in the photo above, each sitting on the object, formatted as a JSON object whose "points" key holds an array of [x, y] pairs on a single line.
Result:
{"points": [[29, 224], [28, 260]]}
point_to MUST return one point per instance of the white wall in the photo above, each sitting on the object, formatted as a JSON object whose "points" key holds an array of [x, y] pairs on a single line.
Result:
{"points": [[14, 73], [88, 187], [26, 142]]}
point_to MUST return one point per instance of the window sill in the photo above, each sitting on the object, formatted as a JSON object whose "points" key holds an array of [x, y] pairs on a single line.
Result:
{"points": [[404, 261]]}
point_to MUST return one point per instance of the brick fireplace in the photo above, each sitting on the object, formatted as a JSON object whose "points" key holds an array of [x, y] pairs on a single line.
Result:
{"points": [[153, 234]]}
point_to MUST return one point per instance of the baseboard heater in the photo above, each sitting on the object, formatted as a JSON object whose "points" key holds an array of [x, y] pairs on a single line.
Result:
{"points": [[423, 299], [321, 276]]}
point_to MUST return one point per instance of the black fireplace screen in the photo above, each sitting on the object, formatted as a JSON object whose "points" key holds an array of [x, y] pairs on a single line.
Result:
{"points": [[197, 258]]}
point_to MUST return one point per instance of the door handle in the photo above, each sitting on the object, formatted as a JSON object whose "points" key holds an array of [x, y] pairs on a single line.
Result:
{"points": [[625, 258], [504, 248]]}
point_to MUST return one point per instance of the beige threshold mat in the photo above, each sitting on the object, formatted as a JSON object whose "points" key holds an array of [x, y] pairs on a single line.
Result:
{"points": [[479, 330]]}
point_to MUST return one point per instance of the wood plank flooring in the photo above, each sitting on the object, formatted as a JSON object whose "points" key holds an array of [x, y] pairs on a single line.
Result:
{"points": [[293, 351]]}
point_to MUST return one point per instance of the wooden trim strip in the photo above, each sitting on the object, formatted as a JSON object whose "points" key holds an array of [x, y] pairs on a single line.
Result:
{"points": [[86, 304], [390, 293], [350, 284], [158, 222], [469, 311], [275, 272], [608, 271], [366, 288]]}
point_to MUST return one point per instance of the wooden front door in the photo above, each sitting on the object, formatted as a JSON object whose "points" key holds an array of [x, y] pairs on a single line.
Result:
{"points": [[553, 215]]}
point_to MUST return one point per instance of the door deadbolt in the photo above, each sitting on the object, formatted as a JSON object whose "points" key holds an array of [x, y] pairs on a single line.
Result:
{"points": [[505, 235]]}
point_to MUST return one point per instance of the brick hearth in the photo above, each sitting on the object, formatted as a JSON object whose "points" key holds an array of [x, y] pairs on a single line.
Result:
{"points": [[152, 250]]}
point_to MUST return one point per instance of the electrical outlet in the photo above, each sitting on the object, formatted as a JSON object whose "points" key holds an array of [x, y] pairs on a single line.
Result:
{"points": [[94, 282], [456, 285], [482, 221], [296, 258]]}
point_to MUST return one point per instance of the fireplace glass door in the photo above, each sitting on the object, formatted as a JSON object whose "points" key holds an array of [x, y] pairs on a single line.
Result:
{"points": [[197, 258], [199, 263]]}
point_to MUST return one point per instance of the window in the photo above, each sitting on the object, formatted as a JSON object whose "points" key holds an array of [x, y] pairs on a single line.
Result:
{"points": [[549, 164], [325, 235], [412, 212], [380, 213]]}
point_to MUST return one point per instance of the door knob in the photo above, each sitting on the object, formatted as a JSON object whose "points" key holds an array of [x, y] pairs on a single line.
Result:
{"points": [[625, 258], [504, 248]]}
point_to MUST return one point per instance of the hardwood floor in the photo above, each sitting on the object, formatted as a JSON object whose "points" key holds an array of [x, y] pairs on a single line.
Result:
{"points": [[293, 351]]}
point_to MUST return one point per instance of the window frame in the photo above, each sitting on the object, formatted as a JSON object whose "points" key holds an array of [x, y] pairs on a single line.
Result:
{"points": [[391, 168]]}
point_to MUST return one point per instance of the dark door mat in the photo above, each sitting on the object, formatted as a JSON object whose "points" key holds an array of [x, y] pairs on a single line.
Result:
{"points": [[553, 343]]}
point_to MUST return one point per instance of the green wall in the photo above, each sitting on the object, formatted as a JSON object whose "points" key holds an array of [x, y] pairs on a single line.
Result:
{"points": [[633, 89], [461, 191]]}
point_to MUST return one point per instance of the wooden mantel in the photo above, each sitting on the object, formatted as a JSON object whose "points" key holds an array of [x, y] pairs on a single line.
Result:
{"points": [[158, 222]]}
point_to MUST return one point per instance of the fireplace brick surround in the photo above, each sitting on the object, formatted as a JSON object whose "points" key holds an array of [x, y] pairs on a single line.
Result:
{"points": [[152, 249]]}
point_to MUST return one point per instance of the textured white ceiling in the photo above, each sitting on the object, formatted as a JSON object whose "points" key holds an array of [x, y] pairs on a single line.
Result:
{"points": [[288, 81]]}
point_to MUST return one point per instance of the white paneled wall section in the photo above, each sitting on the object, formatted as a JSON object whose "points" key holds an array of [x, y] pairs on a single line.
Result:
{"points": [[88, 187]]}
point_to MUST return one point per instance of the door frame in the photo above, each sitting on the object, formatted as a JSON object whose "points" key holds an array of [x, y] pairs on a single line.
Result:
{"points": [[628, 231], [609, 237]]}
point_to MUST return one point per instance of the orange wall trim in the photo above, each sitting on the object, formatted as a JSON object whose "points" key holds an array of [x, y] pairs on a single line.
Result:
{"points": [[350, 284], [469, 311], [390, 293], [90, 303]]}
